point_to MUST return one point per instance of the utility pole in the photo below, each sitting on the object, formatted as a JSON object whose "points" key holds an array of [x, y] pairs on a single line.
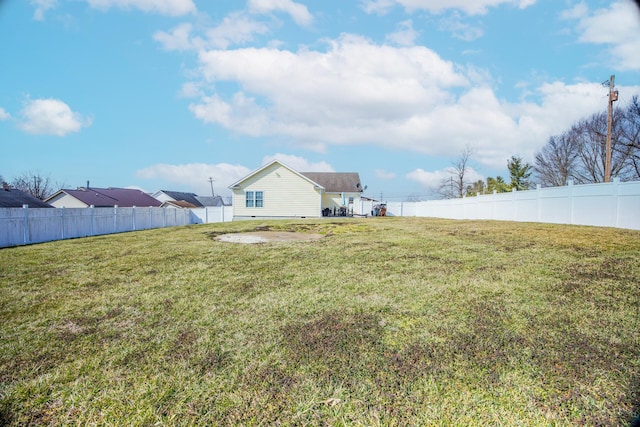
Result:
{"points": [[613, 96], [211, 182]]}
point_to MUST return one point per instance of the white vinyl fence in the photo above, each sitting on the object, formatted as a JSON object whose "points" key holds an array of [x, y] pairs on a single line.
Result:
{"points": [[21, 226], [614, 204], [212, 214]]}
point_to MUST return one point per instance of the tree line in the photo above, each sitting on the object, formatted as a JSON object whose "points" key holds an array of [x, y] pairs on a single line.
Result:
{"points": [[577, 155]]}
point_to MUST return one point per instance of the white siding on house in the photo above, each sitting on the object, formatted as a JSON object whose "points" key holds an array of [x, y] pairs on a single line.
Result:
{"points": [[286, 194], [65, 200]]}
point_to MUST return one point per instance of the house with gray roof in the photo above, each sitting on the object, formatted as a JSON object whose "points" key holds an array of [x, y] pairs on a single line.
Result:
{"points": [[13, 198], [190, 198], [278, 191], [85, 197]]}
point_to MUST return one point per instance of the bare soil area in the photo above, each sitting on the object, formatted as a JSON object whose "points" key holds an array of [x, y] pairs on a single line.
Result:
{"points": [[267, 236]]}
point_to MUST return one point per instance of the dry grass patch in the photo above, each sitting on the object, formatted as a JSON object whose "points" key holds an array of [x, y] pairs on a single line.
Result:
{"points": [[387, 321]]}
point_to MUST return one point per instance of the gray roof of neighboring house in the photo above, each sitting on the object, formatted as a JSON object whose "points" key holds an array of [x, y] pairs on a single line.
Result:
{"points": [[187, 197], [178, 204], [109, 197], [211, 201], [194, 199], [12, 198], [336, 182]]}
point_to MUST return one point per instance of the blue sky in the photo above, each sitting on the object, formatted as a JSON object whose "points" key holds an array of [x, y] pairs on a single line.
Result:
{"points": [[163, 94]]}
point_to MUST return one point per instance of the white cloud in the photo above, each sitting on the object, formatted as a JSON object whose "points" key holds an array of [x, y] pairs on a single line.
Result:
{"points": [[433, 180], [456, 25], [617, 27], [163, 7], [4, 115], [383, 174], [179, 38], [194, 176], [406, 98], [236, 28], [405, 36], [469, 7], [50, 117], [298, 12], [345, 95], [379, 7], [299, 164], [41, 7], [191, 90]]}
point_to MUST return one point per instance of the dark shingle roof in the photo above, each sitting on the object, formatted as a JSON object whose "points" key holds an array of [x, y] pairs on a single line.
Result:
{"points": [[12, 198], [336, 182], [109, 197]]}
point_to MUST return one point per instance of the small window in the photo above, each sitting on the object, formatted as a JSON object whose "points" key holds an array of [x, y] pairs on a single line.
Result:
{"points": [[254, 199]]}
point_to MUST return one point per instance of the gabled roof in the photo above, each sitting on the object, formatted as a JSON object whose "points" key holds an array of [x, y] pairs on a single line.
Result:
{"points": [[109, 197], [178, 204], [187, 197], [211, 201], [12, 198], [237, 183], [336, 182]]}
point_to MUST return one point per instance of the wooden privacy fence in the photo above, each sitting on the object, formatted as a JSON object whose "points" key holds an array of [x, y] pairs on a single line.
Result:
{"points": [[614, 204]]}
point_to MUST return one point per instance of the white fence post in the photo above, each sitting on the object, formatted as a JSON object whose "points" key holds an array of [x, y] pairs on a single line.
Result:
{"points": [[571, 219], [26, 224], [539, 201], [133, 217], [62, 219], [91, 210], [616, 201]]}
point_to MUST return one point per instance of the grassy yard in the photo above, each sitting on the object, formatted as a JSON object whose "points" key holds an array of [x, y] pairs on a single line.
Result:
{"points": [[384, 322]]}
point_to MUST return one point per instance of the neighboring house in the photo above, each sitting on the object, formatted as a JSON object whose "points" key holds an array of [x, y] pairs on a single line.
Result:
{"points": [[278, 191], [12, 198], [191, 198], [85, 197]]}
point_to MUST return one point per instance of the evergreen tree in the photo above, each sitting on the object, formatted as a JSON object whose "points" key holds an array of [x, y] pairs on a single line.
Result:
{"points": [[519, 172], [497, 184]]}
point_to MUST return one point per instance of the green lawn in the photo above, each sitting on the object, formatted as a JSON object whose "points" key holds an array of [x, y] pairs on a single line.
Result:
{"points": [[386, 321]]}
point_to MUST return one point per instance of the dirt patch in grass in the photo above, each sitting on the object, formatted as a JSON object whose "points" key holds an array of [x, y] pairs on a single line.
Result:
{"points": [[267, 237]]}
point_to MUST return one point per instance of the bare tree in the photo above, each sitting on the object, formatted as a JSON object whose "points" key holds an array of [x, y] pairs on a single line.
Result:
{"points": [[630, 136], [556, 162], [456, 185], [591, 135], [36, 184], [580, 153]]}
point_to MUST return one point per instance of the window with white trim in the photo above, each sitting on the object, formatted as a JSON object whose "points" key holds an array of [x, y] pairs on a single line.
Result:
{"points": [[254, 199]]}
